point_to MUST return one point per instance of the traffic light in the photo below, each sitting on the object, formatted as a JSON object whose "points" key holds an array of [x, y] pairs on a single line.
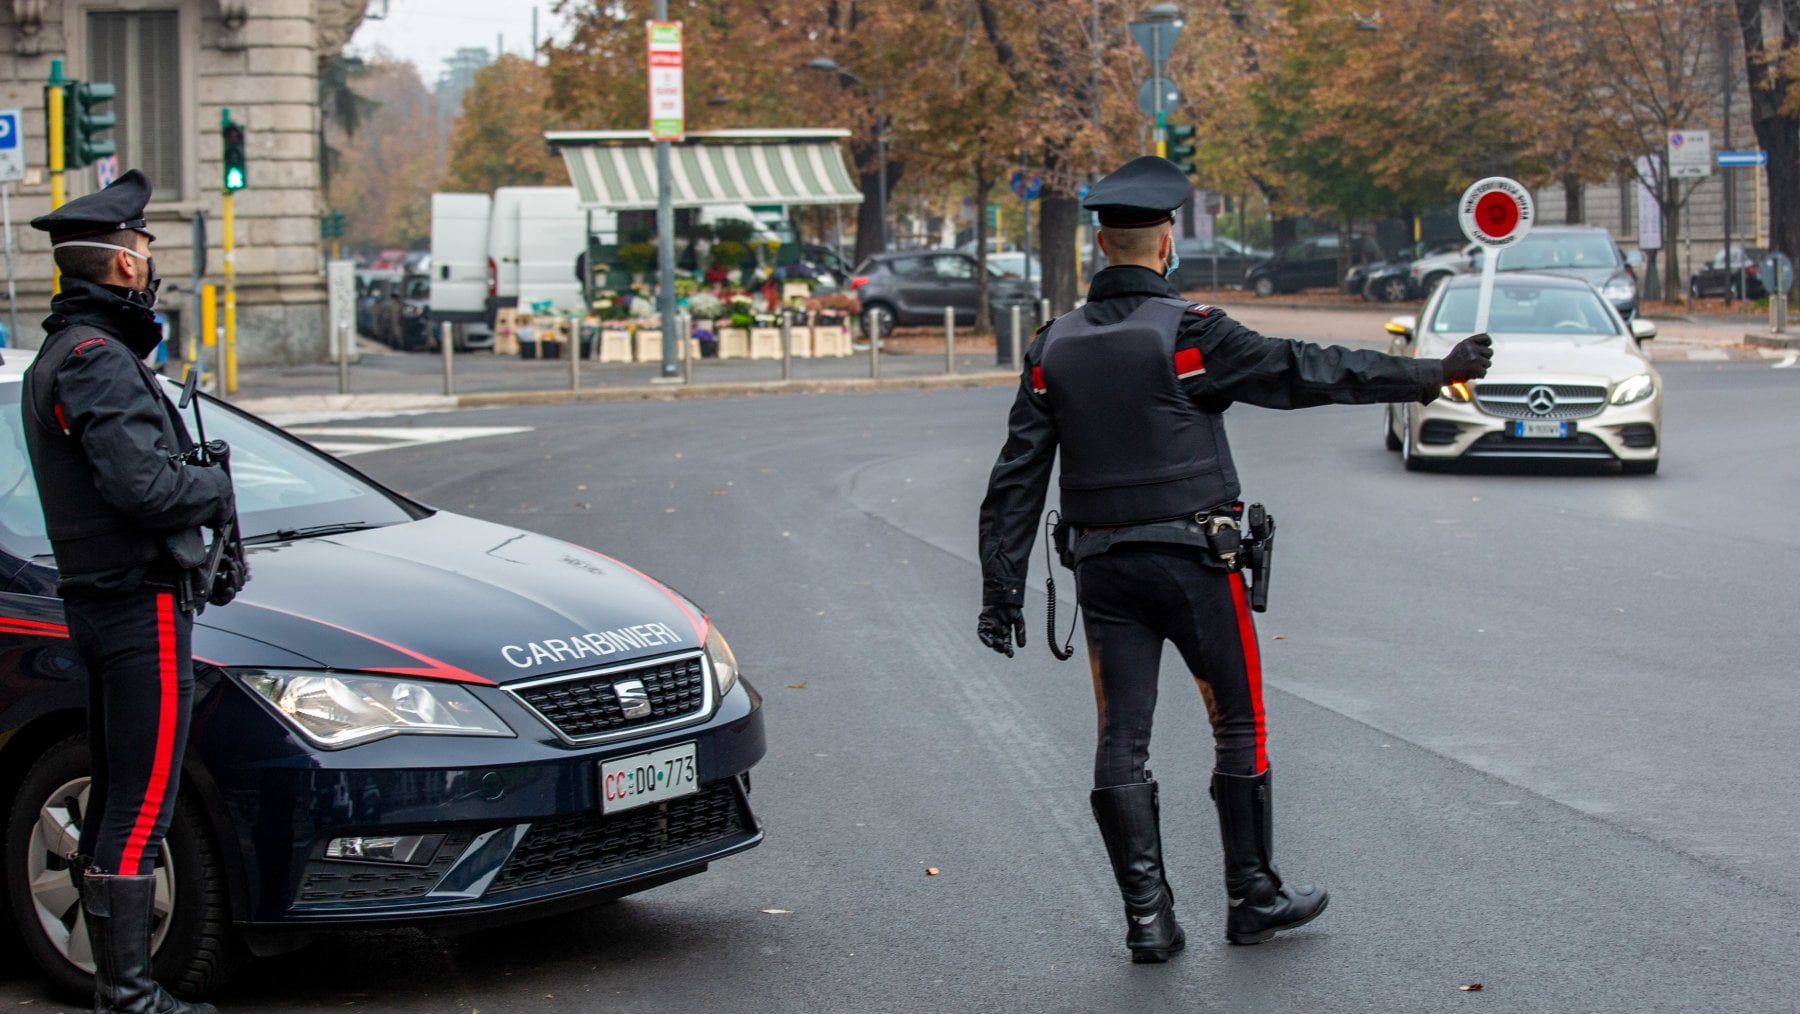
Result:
{"points": [[331, 225], [231, 138], [1181, 147], [80, 145]]}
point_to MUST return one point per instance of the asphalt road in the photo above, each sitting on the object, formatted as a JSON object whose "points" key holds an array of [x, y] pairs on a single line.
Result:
{"points": [[1533, 730]]}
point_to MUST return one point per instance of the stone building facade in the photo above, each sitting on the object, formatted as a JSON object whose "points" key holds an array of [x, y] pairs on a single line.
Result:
{"points": [[177, 64]]}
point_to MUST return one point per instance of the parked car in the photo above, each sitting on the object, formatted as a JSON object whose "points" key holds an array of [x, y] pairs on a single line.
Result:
{"points": [[1569, 381], [408, 717], [1214, 263], [1432, 270], [914, 287], [1310, 264], [1586, 252], [1015, 264], [1742, 279], [400, 318]]}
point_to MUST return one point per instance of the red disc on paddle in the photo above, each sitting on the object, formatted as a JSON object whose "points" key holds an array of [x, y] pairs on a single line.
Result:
{"points": [[1497, 213]]}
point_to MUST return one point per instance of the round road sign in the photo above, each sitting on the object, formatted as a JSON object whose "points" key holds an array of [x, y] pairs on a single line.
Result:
{"points": [[1495, 212]]}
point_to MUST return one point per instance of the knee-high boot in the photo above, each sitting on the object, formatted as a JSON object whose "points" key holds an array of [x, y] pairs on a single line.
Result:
{"points": [[1260, 905], [1129, 824], [118, 913]]}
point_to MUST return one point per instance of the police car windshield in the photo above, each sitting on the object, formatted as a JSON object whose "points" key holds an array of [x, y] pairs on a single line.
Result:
{"points": [[281, 484], [1520, 310]]}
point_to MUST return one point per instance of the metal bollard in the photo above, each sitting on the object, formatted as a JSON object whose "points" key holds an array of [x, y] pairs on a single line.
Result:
{"points": [[787, 346], [684, 331], [343, 359], [575, 355], [1017, 322], [1043, 310], [949, 339], [447, 343], [875, 354]]}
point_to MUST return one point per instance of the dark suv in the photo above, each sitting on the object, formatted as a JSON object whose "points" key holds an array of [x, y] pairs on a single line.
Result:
{"points": [[1586, 252], [1311, 263], [914, 287]]}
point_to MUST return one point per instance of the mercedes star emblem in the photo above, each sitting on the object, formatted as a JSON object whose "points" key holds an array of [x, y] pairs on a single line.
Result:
{"points": [[1540, 400]]}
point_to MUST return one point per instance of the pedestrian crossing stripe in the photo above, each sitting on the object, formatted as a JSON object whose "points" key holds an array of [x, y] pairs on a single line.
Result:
{"points": [[347, 441]]}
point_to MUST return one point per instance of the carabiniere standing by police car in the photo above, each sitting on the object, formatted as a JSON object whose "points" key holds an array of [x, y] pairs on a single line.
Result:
{"points": [[1133, 388], [125, 494]]}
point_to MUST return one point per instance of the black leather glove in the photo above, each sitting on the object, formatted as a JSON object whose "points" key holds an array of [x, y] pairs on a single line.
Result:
{"points": [[999, 625], [1469, 359], [233, 574]]}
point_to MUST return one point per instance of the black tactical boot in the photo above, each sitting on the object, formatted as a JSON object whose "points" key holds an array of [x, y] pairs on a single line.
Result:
{"points": [[1260, 905], [118, 911], [1128, 819]]}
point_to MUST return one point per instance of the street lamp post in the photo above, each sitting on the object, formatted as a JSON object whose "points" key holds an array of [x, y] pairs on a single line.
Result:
{"points": [[826, 63]]}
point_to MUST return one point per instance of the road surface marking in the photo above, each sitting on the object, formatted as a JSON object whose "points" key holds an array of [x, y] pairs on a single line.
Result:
{"points": [[1787, 361], [345, 441]]}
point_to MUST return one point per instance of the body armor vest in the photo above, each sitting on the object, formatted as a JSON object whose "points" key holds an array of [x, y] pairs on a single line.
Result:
{"points": [[87, 534], [1135, 447]]}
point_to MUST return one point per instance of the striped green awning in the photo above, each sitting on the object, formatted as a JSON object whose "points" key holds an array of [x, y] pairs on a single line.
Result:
{"points": [[616, 170]]}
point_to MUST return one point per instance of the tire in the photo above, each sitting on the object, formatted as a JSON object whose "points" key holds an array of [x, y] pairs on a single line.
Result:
{"points": [[1264, 287], [196, 947], [1387, 431], [1392, 290], [1694, 288], [1639, 467], [877, 317], [1412, 461]]}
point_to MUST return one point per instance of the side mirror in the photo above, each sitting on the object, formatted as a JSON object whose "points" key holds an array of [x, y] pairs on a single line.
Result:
{"points": [[1403, 325], [1635, 258], [1642, 330]]}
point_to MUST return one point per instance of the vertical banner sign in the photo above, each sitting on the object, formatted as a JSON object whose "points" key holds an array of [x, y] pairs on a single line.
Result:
{"points": [[1649, 212], [666, 107], [1495, 213]]}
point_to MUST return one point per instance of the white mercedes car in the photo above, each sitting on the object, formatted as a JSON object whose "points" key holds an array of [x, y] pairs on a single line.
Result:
{"points": [[1569, 380]]}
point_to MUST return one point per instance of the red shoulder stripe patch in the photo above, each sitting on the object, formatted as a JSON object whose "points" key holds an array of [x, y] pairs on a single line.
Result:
{"points": [[1202, 309], [1037, 380], [1189, 363], [90, 343]]}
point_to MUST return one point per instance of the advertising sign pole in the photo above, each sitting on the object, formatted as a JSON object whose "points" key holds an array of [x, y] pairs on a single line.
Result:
{"points": [[1496, 213], [666, 124]]}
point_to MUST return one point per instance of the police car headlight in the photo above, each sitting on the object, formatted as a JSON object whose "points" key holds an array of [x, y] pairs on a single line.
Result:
{"points": [[344, 709], [1633, 389], [724, 663]]}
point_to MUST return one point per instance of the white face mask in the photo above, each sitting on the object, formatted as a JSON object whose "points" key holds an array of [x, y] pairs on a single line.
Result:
{"points": [[150, 286]]}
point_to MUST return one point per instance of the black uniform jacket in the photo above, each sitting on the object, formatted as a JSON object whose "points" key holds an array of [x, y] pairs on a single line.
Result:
{"points": [[106, 443], [1241, 365]]}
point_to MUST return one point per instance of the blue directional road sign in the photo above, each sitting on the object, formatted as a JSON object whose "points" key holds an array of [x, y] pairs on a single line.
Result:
{"points": [[1027, 187], [12, 146], [1728, 159]]}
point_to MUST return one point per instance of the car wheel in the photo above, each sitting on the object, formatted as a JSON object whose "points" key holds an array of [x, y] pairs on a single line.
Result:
{"points": [[1264, 287], [877, 320], [1693, 288], [1391, 290], [1409, 457], [195, 948], [1639, 467], [1387, 431]]}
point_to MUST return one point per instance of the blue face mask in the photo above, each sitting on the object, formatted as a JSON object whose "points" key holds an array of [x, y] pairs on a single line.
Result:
{"points": [[1174, 262]]}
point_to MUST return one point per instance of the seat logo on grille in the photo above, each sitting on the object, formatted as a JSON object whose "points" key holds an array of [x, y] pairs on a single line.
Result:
{"points": [[1540, 400], [634, 700]]}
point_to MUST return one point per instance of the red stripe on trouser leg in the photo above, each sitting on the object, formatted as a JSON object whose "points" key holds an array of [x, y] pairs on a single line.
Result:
{"points": [[162, 761], [1252, 668]]}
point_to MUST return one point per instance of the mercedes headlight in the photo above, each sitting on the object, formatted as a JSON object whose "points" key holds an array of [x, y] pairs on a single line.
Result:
{"points": [[344, 709], [1619, 288], [1633, 389], [724, 663], [1458, 392]]}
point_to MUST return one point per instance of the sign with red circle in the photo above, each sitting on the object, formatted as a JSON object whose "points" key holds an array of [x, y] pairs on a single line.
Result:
{"points": [[1495, 212]]}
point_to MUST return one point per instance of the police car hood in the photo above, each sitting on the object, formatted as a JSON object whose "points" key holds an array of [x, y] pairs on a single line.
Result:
{"points": [[446, 597]]}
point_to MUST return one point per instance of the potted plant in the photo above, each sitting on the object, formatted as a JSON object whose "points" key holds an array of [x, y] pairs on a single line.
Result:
{"points": [[705, 308]]}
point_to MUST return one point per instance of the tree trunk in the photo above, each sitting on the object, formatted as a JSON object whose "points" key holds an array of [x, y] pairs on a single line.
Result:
{"points": [[1671, 215], [868, 216], [983, 186], [1058, 217], [1778, 133], [1572, 209]]}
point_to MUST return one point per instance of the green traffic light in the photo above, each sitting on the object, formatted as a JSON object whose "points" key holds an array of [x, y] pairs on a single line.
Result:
{"points": [[231, 138], [82, 122]]}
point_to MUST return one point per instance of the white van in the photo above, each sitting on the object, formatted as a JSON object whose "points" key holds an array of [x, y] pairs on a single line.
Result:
{"points": [[459, 258]]}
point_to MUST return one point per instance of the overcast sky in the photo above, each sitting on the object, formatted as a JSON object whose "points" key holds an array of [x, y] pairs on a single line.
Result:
{"points": [[428, 31]]}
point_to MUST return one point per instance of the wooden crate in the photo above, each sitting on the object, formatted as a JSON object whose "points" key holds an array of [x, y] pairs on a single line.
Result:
{"points": [[831, 340], [649, 344], [734, 343], [765, 343], [615, 345], [800, 341]]}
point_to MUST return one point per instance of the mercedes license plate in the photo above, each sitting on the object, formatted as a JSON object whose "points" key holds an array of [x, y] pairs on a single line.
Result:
{"points": [[645, 778], [1553, 429]]}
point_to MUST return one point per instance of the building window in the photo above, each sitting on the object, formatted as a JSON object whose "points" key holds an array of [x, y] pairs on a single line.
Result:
{"points": [[140, 53]]}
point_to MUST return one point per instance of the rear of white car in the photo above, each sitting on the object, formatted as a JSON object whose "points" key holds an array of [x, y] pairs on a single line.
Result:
{"points": [[1569, 381]]}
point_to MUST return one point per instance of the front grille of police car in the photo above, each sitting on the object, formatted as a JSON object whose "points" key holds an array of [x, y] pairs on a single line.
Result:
{"points": [[566, 848], [584, 707], [1513, 401]]}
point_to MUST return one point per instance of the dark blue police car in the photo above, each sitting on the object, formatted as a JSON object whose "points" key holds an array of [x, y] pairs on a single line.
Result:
{"points": [[408, 717]]}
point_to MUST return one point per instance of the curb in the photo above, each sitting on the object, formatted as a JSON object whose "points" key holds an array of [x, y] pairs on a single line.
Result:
{"points": [[1772, 341], [309, 404]]}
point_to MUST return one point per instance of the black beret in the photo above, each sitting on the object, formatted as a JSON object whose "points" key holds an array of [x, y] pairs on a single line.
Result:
{"points": [[117, 208], [1141, 193]]}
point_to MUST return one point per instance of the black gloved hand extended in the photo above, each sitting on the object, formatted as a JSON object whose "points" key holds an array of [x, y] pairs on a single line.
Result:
{"points": [[1469, 359], [1000, 625]]}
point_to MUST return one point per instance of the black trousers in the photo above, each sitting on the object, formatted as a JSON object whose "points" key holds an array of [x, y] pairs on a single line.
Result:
{"points": [[136, 649], [1135, 597]]}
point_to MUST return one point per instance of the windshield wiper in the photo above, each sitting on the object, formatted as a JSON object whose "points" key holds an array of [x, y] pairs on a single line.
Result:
{"points": [[311, 531]]}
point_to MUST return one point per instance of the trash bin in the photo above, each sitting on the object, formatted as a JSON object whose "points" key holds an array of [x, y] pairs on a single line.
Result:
{"points": [[1000, 310]]}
